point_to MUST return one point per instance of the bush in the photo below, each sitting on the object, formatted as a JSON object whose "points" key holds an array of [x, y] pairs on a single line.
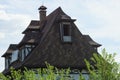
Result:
{"points": [[105, 67]]}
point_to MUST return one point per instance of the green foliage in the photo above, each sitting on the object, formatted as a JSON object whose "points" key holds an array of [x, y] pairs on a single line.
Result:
{"points": [[49, 73], [15, 74], [3, 77], [105, 67]]}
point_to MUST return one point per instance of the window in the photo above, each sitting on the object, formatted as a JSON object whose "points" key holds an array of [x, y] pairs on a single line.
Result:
{"points": [[14, 56], [7, 61], [65, 31], [85, 74], [24, 51]]}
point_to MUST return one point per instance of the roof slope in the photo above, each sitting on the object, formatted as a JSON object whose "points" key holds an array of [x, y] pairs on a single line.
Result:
{"points": [[90, 40], [34, 25], [30, 38], [10, 49]]}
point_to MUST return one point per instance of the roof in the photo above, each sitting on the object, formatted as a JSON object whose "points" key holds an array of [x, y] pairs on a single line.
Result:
{"points": [[70, 60], [10, 49], [91, 41], [34, 25], [32, 37]]}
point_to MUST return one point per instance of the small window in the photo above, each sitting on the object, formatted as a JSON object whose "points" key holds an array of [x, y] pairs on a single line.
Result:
{"points": [[24, 51], [6, 63], [14, 56], [65, 31]]}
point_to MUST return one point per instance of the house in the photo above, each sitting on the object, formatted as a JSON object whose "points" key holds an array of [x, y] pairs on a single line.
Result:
{"points": [[54, 38]]}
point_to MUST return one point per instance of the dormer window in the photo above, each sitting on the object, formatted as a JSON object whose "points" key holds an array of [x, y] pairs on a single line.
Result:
{"points": [[65, 31], [25, 50], [14, 56], [7, 61]]}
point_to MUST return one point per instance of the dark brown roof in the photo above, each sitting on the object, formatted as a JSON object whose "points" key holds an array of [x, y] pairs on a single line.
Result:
{"points": [[32, 37], [34, 25], [91, 41], [10, 49], [73, 60]]}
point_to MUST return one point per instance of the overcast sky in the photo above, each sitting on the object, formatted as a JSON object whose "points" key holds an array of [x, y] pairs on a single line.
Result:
{"points": [[97, 18]]}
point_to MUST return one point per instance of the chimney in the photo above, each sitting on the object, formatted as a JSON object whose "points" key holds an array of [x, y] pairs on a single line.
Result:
{"points": [[42, 13]]}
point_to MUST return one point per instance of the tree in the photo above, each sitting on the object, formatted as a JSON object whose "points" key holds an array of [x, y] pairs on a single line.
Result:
{"points": [[105, 67]]}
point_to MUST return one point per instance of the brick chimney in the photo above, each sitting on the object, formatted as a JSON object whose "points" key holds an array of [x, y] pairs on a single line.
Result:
{"points": [[42, 13]]}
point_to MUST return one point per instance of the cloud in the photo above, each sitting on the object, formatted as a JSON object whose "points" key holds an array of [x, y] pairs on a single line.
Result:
{"points": [[3, 15], [3, 6], [2, 35], [109, 16]]}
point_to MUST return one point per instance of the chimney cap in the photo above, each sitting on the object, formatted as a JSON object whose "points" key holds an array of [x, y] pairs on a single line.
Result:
{"points": [[42, 8]]}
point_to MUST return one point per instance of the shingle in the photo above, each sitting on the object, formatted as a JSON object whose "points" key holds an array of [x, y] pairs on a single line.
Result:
{"points": [[91, 42], [10, 49]]}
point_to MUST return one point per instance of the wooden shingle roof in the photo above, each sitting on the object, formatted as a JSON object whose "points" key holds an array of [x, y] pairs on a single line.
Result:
{"points": [[73, 60], [30, 38], [91, 41], [10, 49], [34, 24]]}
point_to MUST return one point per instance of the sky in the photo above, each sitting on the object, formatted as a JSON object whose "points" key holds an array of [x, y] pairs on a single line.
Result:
{"points": [[97, 18]]}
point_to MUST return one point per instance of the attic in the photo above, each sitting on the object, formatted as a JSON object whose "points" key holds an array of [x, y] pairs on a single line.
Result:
{"points": [[56, 39]]}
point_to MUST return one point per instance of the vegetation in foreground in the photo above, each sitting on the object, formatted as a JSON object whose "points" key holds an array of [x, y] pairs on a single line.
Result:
{"points": [[105, 68]]}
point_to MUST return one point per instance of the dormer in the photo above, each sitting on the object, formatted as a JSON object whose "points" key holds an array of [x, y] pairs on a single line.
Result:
{"points": [[34, 26], [10, 55], [27, 44], [25, 50], [66, 28]]}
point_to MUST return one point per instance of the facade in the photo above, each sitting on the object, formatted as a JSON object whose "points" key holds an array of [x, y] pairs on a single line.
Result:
{"points": [[54, 39]]}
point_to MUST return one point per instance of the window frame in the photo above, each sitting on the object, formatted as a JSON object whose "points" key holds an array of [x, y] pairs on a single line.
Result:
{"points": [[24, 51], [66, 38]]}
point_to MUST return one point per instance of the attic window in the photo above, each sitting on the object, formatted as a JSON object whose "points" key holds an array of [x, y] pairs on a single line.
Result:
{"points": [[14, 56], [24, 51], [65, 31], [7, 62]]}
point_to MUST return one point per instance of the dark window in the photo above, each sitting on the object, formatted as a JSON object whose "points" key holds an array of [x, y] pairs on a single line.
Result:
{"points": [[7, 61], [66, 29], [24, 51]]}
